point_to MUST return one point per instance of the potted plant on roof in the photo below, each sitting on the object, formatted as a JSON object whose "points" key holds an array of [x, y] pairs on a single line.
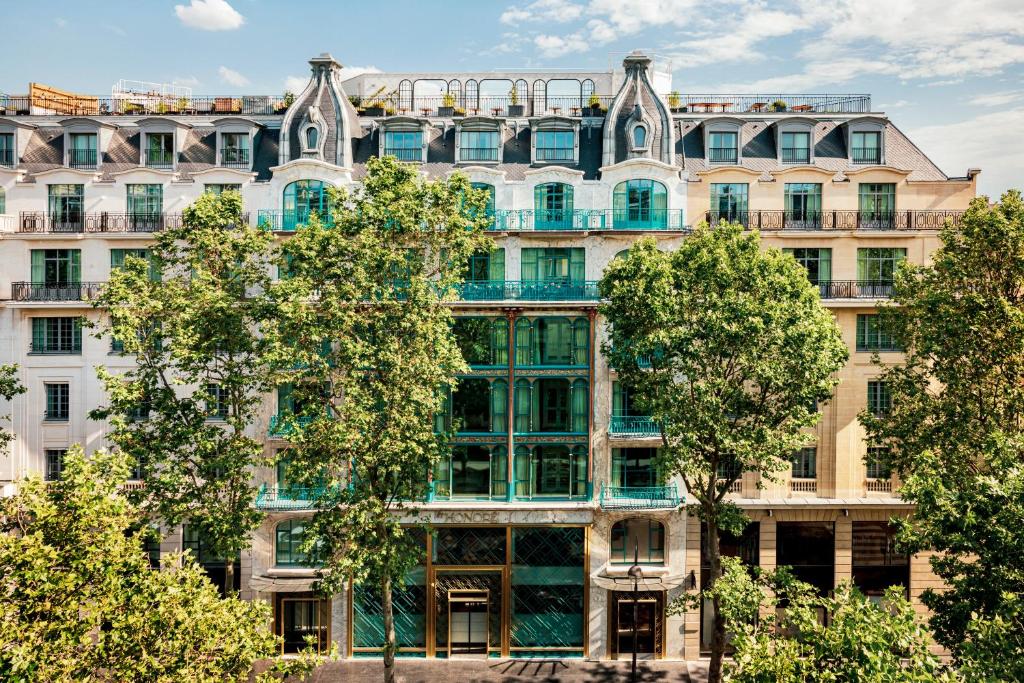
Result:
{"points": [[514, 108], [287, 100], [594, 107], [675, 101], [779, 105], [374, 106], [447, 108], [459, 111]]}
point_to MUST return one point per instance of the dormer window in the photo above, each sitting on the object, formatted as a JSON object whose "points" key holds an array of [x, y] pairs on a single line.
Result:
{"points": [[404, 145], [8, 156], [722, 147], [160, 150], [312, 136], [796, 147], [82, 150], [478, 145], [640, 136], [866, 147], [556, 145], [234, 150]]}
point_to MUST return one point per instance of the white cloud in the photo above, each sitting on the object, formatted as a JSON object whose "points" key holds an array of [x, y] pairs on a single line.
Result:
{"points": [[987, 140], [186, 81], [556, 46], [232, 77], [61, 22], [295, 84], [559, 11], [997, 99], [209, 15]]}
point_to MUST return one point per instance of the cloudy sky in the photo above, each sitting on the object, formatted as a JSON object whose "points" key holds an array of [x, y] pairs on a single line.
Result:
{"points": [[951, 74]]}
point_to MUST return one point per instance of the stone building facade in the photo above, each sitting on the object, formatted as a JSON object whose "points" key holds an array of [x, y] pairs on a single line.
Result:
{"points": [[551, 486]]}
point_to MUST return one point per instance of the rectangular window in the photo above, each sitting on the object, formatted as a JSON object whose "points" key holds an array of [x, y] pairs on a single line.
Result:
{"points": [[877, 265], [66, 207], [728, 203], [552, 145], [866, 147], [554, 264], [404, 145], [817, 261], [234, 150], [876, 203], [7, 152], [805, 463], [160, 150], [478, 145], [876, 461], [722, 148], [220, 188], [803, 206], [796, 147], [56, 268], [216, 402], [879, 398], [56, 335], [55, 463], [487, 267], [58, 402], [877, 564], [145, 203], [635, 467], [871, 336], [82, 150]]}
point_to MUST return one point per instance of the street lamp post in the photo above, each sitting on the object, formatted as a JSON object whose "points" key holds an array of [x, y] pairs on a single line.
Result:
{"points": [[636, 574]]}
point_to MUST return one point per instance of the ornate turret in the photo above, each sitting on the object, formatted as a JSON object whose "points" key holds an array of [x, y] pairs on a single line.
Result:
{"points": [[638, 123], [321, 121]]}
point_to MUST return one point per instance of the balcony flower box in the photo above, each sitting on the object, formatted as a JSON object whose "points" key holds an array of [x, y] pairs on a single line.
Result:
{"points": [[374, 111], [446, 112], [515, 110]]}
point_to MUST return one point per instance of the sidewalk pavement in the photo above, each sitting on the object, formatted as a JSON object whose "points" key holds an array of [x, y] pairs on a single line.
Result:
{"points": [[511, 671]]}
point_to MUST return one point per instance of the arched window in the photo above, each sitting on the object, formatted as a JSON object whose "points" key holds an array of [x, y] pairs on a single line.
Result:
{"points": [[289, 536], [640, 538], [312, 137], [405, 95], [552, 206], [472, 94], [640, 137], [640, 204], [301, 198], [455, 89], [540, 98], [522, 91], [489, 189], [586, 90]]}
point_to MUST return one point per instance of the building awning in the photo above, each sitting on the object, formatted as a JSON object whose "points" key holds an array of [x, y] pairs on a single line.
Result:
{"points": [[647, 583], [270, 584]]}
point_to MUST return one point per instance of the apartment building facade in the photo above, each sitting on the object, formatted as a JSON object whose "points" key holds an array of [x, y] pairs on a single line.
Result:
{"points": [[551, 486]]}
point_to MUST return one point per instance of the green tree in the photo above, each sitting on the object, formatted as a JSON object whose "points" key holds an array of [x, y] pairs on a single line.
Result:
{"points": [[861, 641], [202, 346], [364, 309], [9, 388], [740, 352], [79, 600], [955, 431]]}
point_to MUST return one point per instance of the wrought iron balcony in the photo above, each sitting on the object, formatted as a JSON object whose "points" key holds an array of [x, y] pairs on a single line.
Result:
{"points": [[866, 155], [796, 155], [234, 157], [63, 291], [633, 426], [159, 158], [856, 289], [56, 347], [478, 154], [555, 154], [722, 155], [588, 219], [281, 427], [529, 290], [287, 221], [404, 153], [73, 222], [837, 220], [640, 497], [82, 158], [287, 497]]}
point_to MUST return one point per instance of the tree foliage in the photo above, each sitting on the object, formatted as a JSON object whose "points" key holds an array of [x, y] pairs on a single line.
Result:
{"points": [[860, 641], [203, 348], [370, 341], [9, 388], [727, 347], [79, 600], [956, 430]]}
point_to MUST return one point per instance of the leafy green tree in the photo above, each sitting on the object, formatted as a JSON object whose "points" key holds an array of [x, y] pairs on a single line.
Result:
{"points": [[955, 431], [9, 388], [202, 346], [370, 337], [727, 347], [861, 641], [79, 600]]}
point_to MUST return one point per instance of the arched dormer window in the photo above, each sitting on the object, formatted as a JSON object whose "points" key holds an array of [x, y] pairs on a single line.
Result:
{"points": [[640, 204], [640, 137], [302, 198], [643, 537], [312, 135]]}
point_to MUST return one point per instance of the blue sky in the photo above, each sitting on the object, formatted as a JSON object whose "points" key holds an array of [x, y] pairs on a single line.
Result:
{"points": [[951, 74]]}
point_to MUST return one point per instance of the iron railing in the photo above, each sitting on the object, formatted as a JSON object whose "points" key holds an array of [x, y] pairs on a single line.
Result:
{"points": [[63, 291], [529, 290], [287, 497], [140, 104], [796, 155], [287, 221], [838, 220], [589, 219], [82, 158], [159, 158], [405, 153], [866, 155], [639, 497], [481, 105], [555, 153], [478, 154], [633, 426], [722, 155], [58, 347], [234, 157], [40, 221], [856, 289], [7, 158], [768, 102], [282, 427]]}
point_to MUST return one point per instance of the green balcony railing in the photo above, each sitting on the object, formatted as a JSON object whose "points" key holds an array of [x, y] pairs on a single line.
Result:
{"points": [[589, 219], [281, 427], [529, 290], [287, 221], [634, 426], [639, 497], [287, 497]]}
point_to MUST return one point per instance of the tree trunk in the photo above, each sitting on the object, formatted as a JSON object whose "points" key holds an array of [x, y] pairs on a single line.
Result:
{"points": [[229, 578], [389, 630], [718, 622]]}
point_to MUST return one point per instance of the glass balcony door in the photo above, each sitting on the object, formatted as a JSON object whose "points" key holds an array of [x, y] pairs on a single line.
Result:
{"points": [[553, 207], [803, 206], [66, 207], [729, 203]]}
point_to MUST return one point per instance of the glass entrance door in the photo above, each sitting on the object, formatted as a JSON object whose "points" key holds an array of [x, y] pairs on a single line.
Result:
{"points": [[468, 623], [646, 616]]}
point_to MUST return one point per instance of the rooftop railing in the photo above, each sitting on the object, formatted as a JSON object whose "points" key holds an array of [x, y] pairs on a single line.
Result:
{"points": [[480, 105], [837, 220], [140, 104], [770, 102]]}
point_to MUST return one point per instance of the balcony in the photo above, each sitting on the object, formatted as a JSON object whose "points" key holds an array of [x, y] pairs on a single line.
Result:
{"points": [[866, 155], [722, 155], [36, 291], [71, 346], [529, 290], [555, 154], [287, 497], [413, 154], [7, 158], [855, 289], [82, 158], [633, 426], [639, 497], [287, 221], [796, 155], [75, 222], [436, 106], [588, 219], [837, 220], [159, 158], [280, 427], [478, 154], [233, 157], [139, 104], [770, 102]]}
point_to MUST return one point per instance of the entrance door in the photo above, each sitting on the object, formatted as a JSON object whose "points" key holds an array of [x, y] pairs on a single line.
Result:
{"points": [[646, 613], [467, 623]]}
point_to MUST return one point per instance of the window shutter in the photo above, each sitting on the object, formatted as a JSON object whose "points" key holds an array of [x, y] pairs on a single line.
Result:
{"points": [[579, 406], [38, 334], [529, 265], [499, 406], [496, 265], [499, 341], [581, 342], [577, 264], [824, 265], [38, 266], [75, 267]]}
